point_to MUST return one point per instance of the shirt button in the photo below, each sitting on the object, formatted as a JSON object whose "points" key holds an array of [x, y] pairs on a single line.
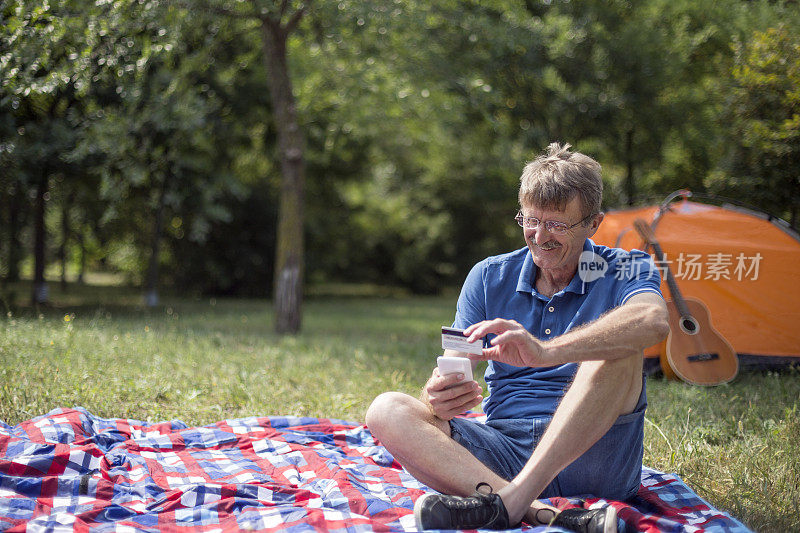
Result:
{"points": [[547, 331], [551, 308]]}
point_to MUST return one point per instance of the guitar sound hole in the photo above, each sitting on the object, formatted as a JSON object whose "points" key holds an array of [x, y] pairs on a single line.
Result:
{"points": [[689, 326]]}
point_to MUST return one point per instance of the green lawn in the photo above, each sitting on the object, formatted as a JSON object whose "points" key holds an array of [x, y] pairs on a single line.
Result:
{"points": [[205, 360]]}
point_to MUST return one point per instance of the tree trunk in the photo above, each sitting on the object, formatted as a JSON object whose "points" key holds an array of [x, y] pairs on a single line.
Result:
{"points": [[630, 182], [102, 243], [82, 245], [40, 290], [289, 258], [14, 254], [65, 234], [4, 222], [151, 283]]}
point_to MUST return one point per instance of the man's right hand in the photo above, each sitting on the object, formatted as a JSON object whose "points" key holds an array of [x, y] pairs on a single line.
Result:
{"points": [[446, 399]]}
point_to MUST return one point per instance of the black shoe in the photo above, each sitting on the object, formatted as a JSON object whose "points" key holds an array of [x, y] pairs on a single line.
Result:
{"points": [[480, 511], [603, 520]]}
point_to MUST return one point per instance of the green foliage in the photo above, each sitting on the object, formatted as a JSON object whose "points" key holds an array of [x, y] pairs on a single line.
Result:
{"points": [[160, 135], [417, 119], [243, 248], [765, 113]]}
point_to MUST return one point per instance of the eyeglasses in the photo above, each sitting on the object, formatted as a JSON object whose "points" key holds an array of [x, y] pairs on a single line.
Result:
{"points": [[558, 228]]}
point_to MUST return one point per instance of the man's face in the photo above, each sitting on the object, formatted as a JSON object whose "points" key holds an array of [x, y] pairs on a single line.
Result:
{"points": [[554, 252]]}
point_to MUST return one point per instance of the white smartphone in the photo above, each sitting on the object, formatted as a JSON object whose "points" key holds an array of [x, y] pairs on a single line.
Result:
{"points": [[455, 365]]}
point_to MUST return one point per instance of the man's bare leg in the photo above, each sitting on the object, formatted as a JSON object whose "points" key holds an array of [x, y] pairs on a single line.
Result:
{"points": [[599, 394], [421, 442]]}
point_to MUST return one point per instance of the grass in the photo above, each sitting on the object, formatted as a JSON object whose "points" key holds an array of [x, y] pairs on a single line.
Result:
{"points": [[203, 360]]}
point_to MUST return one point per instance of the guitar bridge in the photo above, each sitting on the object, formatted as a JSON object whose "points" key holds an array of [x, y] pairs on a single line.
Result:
{"points": [[700, 357]]}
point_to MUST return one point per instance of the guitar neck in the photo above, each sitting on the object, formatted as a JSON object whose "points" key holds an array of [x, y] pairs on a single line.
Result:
{"points": [[677, 297]]}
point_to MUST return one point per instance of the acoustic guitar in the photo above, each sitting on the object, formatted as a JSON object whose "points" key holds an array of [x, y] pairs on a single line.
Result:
{"points": [[696, 352]]}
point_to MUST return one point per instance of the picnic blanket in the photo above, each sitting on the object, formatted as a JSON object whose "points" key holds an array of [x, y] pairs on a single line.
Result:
{"points": [[72, 471]]}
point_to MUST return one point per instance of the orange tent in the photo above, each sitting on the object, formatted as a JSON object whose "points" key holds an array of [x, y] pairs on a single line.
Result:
{"points": [[744, 265]]}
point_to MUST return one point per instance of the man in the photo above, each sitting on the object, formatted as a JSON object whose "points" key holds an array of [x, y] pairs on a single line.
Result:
{"points": [[566, 322]]}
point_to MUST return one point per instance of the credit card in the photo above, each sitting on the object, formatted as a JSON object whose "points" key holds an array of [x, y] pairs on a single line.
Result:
{"points": [[454, 339]]}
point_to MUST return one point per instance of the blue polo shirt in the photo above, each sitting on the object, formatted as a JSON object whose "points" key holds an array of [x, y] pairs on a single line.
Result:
{"points": [[503, 287]]}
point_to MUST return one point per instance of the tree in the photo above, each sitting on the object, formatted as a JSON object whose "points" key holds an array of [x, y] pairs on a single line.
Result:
{"points": [[12, 191], [289, 262], [276, 22], [632, 95], [43, 93], [154, 145], [410, 120], [764, 158]]}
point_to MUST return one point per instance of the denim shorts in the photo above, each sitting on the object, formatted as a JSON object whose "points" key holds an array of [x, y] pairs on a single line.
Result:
{"points": [[610, 469]]}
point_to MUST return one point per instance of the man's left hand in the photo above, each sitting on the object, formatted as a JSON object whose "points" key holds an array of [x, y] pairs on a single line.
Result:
{"points": [[512, 345]]}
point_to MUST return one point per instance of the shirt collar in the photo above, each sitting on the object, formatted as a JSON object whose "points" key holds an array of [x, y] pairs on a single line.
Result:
{"points": [[528, 274]]}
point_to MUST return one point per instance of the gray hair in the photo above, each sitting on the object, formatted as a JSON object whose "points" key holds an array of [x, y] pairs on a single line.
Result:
{"points": [[554, 178]]}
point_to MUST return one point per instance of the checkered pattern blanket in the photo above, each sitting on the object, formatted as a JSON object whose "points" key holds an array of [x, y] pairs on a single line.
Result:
{"points": [[70, 470]]}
